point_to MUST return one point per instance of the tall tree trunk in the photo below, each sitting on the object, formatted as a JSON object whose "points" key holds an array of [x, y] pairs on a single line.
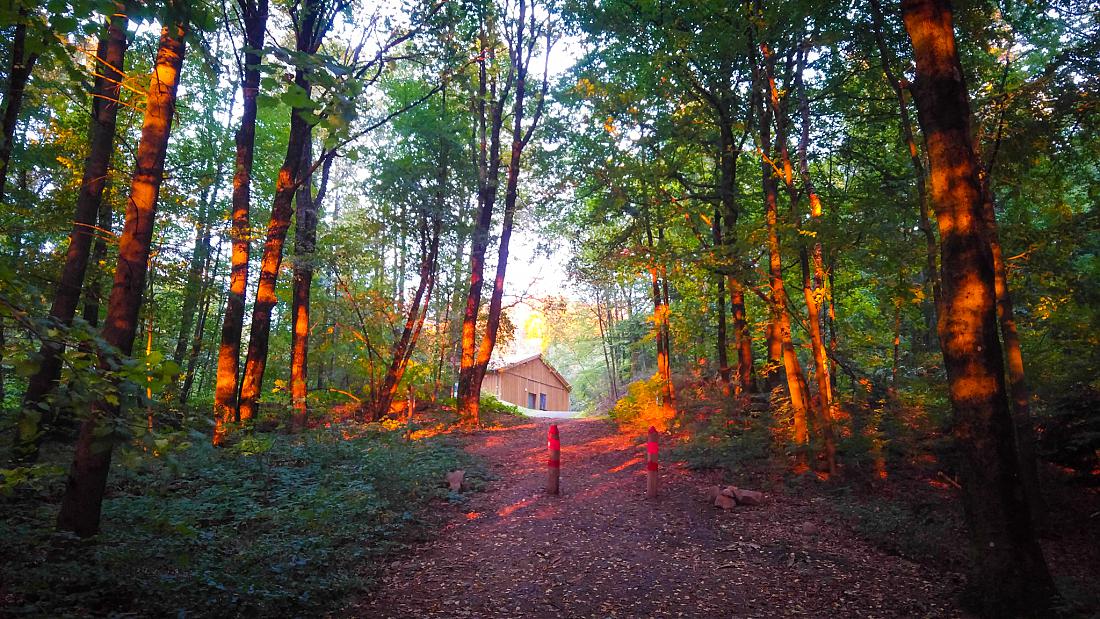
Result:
{"points": [[720, 303], [110, 55], [429, 267], [727, 191], [660, 320], [489, 121], [414, 321], [1009, 576], [669, 395], [746, 380], [660, 316], [19, 73], [492, 321], [305, 245], [931, 270], [606, 355], [773, 374], [616, 365], [781, 350], [200, 261], [309, 35], [281, 212], [93, 291], [83, 498], [254, 16], [1017, 379], [813, 289]]}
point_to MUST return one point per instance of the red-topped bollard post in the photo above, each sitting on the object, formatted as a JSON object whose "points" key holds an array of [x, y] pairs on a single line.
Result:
{"points": [[651, 464], [553, 444]]}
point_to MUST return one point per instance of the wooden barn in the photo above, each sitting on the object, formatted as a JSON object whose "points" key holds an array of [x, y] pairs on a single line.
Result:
{"points": [[530, 382]]}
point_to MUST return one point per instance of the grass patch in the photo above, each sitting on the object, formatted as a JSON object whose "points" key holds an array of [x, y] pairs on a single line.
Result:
{"points": [[278, 526]]}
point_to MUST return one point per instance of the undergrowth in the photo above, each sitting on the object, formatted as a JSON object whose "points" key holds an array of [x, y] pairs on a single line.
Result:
{"points": [[277, 526]]}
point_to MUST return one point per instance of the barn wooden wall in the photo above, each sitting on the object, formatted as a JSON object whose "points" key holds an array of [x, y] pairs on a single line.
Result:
{"points": [[513, 385]]}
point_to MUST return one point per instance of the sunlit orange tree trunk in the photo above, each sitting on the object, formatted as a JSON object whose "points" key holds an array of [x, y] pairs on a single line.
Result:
{"points": [[813, 287], [1009, 576], [430, 228], [405, 344], [489, 116], [524, 32], [83, 498], [310, 29], [305, 245], [110, 55], [254, 20], [522, 43], [781, 350]]}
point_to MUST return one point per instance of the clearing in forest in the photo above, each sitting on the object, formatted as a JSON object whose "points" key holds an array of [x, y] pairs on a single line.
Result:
{"points": [[601, 550]]}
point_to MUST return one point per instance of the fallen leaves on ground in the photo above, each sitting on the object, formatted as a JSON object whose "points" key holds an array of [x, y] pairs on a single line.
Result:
{"points": [[600, 549]]}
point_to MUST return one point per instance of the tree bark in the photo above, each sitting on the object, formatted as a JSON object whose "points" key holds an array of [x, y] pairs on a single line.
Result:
{"points": [[781, 350], [305, 245], [19, 73], [414, 321], [721, 342], [1019, 392], [813, 289], [83, 498], [281, 212], [110, 55], [1009, 576], [93, 292], [490, 120], [200, 261], [931, 270], [254, 16], [200, 330], [746, 380], [308, 41]]}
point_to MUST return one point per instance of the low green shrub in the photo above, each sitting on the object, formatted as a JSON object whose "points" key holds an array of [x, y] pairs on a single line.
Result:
{"points": [[276, 526]]}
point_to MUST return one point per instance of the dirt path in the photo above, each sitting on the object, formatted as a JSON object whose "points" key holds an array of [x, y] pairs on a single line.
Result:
{"points": [[601, 550]]}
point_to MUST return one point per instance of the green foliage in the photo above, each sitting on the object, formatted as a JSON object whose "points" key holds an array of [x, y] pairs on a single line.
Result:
{"points": [[490, 405], [277, 526]]}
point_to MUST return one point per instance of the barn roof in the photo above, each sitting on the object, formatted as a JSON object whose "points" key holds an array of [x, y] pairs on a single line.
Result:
{"points": [[502, 365]]}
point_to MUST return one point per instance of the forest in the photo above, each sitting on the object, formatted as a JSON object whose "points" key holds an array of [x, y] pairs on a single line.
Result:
{"points": [[257, 258]]}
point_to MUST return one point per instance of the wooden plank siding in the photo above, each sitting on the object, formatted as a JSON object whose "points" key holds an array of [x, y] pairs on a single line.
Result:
{"points": [[514, 382]]}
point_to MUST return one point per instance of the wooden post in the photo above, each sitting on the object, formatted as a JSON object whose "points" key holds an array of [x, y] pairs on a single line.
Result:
{"points": [[651, 464], [554, 465]]}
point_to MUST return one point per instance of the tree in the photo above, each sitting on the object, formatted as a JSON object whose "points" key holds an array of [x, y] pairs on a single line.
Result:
{"points": [[311, 22], [1009, 576], [308, 206], [523, 32], [83, 498], [253, 17], [20, 64], [109, 72]]}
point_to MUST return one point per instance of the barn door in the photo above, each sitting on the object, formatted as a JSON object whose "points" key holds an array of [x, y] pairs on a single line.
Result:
{"points": [[542, 401]]}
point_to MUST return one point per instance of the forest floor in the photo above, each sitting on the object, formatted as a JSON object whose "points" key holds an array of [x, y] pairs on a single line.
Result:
{"points": [[601, 549]]}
